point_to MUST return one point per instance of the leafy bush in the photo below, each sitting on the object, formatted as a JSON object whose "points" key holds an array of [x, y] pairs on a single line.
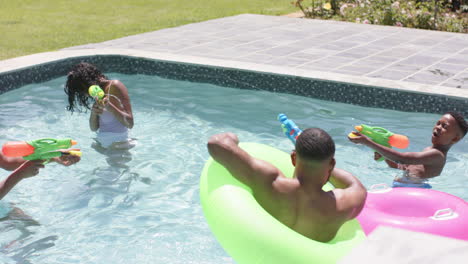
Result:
{"points": [[429, 14]]}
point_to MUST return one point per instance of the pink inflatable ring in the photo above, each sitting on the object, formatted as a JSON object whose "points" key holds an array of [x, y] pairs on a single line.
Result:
{"points": [[417, 209]]}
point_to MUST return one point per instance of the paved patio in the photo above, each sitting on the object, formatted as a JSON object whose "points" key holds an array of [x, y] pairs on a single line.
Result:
{"points": [[377, 52]]}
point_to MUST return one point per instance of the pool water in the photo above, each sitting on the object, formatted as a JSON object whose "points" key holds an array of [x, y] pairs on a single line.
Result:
{"points": [[142, 205]]}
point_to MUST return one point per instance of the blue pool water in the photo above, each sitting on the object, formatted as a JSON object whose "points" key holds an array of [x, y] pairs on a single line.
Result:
{"points": [[145, 208]]}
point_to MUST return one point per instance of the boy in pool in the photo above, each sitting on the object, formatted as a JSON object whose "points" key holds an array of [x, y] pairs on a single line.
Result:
{"points": [[298, 202], [24, 169], [419, 166], [112, 116]]}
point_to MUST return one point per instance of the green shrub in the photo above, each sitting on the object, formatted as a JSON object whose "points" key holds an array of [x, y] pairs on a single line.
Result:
{"points": [[429, 14]]}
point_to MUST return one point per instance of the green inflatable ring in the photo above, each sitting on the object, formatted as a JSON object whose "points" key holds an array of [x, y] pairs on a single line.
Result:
{"points": [[248, 233]]}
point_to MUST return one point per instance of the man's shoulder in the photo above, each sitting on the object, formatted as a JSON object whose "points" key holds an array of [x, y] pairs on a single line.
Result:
{"points": [[285, 185], [349, 199]]}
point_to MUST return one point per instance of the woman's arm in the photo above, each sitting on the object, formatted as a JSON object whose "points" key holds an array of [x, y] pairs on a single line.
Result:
{"points": [[96, 110], [119, 103]]}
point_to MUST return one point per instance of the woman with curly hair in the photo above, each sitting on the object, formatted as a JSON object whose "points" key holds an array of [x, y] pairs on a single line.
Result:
{"points": [[112, 116]]}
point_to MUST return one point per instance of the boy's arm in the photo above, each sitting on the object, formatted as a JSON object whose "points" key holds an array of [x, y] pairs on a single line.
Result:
{"points": [[390, 163], [27, 169], [225, 150], [9, 163], [12, 163], [425, 157], [350, 194]]}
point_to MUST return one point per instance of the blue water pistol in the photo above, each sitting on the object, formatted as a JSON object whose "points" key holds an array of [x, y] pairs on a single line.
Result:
{"points": [[290, 129]]}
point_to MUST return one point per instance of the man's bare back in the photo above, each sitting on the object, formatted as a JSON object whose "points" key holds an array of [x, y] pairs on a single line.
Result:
{"points": [[299, 203]]}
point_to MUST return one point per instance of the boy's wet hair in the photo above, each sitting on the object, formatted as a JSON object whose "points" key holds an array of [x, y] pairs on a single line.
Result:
{"points": [[460, 121], [81, 76], [315, 144]]}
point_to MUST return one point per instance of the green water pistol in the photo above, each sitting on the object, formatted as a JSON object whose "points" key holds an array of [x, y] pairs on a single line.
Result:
{"points": [[382, 137], [96, 92], [40, 149]]}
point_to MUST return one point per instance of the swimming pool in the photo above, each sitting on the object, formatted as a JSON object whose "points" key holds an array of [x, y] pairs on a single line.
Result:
{"points": [[145, 209]]}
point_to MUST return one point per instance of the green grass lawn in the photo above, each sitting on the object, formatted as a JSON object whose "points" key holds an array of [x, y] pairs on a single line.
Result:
{"points": [[32, 26]]}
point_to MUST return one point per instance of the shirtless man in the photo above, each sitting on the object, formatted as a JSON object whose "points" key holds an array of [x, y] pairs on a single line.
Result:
{"points": [[419, 166], [298, 202]]}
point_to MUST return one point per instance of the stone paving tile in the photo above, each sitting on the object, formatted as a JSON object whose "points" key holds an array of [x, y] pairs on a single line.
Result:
{"points": [[288, 61], [399, 52], [256, 57], [177, 46], [460, 78], [457, 60], [313, 66], [449, 67], [389, 42], [359, 70], [258, 45], [389, 74], [358, 52], [403, 67], [322, 52], [464, 52], [305, 56], [439, 54], [363, 37], [354, 55], [279, 40], [281, 50], [339, 45], [453, 84], [330, 62], [341, 71], [427, 41], [427, 77], [236, 52], [371, 47], [420, 60], [307, 43], [368, 63], [383, 58]]}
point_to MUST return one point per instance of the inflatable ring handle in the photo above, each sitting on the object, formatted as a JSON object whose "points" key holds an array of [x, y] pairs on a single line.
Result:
{"points": [[379, 187], [443, 213]]}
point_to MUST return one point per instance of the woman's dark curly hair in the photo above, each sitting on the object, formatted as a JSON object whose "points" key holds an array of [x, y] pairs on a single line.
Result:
{"points": [[79, 79]]}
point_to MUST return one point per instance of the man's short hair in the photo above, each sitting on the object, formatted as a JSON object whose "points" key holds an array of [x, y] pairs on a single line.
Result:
{"points": [[460, 121], [315, 144]]}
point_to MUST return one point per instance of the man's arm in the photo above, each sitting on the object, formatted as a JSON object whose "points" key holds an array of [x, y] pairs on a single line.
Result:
{"points": [[225, 150], [350, 194], [426, 157]]}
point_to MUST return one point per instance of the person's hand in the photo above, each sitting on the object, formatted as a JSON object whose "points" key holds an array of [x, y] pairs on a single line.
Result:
{"points": [[30, 168], [97, 108], [67, 159], [358, 138], [377, 156], [232, 137]]}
